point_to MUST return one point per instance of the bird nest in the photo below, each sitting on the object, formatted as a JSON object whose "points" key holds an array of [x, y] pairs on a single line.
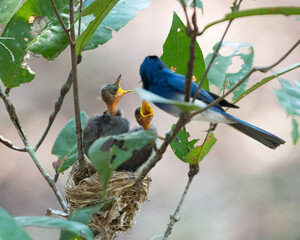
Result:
{"points": [[83, 189]]}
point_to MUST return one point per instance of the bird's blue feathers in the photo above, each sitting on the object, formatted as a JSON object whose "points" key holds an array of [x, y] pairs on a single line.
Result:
{"points": [[159, 79]]}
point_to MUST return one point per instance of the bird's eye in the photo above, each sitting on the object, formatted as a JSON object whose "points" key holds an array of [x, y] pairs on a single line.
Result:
{"points": [[113, 90], [137, 111]]}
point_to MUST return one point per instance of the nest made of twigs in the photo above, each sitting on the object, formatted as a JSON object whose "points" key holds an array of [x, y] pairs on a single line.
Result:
{"points": [[83, 190]]}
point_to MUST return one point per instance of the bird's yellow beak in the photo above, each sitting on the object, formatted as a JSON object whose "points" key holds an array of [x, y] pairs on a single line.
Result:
{"points": [[146, 109], [121, 92]]}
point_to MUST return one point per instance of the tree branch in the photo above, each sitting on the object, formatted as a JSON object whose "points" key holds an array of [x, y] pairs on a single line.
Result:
{"points": [[192, 33], [8, 143], [254, 69], [48, 178], [12, 114], [75, 86], [194, 169], [184, 119], [215, 54], [14, 118], [63, 91], [61, 22]]}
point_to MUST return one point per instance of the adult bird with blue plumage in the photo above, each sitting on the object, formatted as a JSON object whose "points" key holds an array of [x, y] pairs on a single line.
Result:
{"points": [[143, 116], [159, 79], [111, 121]]}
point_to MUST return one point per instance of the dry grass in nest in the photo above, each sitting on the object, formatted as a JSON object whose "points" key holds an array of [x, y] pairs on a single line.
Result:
{"points": [[83, 191]]}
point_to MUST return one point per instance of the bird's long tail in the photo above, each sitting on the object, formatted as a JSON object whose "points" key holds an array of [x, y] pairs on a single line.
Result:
{"points": [[260, 135]]}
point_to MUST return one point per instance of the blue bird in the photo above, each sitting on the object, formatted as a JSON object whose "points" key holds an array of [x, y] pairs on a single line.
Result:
{"points": [[159, 79]]}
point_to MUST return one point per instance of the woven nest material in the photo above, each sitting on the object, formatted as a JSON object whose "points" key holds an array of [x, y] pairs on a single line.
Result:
{"points": [[83, 191]]}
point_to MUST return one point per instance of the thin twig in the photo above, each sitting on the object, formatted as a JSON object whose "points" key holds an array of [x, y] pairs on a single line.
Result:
{"points": [[61, 21], [8, 143], [48, 178], [192, 33], [12, 114], [194, 170], [175, 217], [254, 69], [75, 86], [184, 119], [79, 21], [14, 118], [215, 54], [185, 13], [63, 91]]}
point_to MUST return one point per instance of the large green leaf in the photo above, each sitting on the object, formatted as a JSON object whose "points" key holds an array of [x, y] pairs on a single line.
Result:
{"points": [[286, 11], [51, 222], [118, 17], [266, 80], [177, 51], [152, 97], [180, 145], [27, 27], [120, 149], [219, 75], [99, 9], [9, 228], [84, 216], [197, 154], [8, 9], [65, 145]]}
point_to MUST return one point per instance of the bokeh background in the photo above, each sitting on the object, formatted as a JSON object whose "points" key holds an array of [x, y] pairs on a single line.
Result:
{"points": [[243, 191]]}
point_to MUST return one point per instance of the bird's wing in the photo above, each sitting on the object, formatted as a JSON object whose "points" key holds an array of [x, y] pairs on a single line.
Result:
{"points": [[177, 82]]}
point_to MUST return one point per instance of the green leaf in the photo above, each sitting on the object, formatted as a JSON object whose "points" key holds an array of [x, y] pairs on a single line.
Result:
{"points": [[84, 216], [295, 131], [52, 40], [8, 9], [197, 154], [219, 75], [118, 17], [266, 80], [151, 97], [120, 149], [176, 51], [9, 228], [26, 27], [180, 145], [287, 11], [65, 145], [51, 222], [100, 9], [289, 97]]}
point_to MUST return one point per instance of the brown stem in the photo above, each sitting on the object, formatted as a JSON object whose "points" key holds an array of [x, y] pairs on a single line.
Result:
{"points": [[61, 22], [75, 86], [215, 54], [184, 119], [31, 151], [8, 143]]}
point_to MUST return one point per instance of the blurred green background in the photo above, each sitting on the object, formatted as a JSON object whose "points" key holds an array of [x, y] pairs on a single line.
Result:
{"points": [[243, 191]]}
